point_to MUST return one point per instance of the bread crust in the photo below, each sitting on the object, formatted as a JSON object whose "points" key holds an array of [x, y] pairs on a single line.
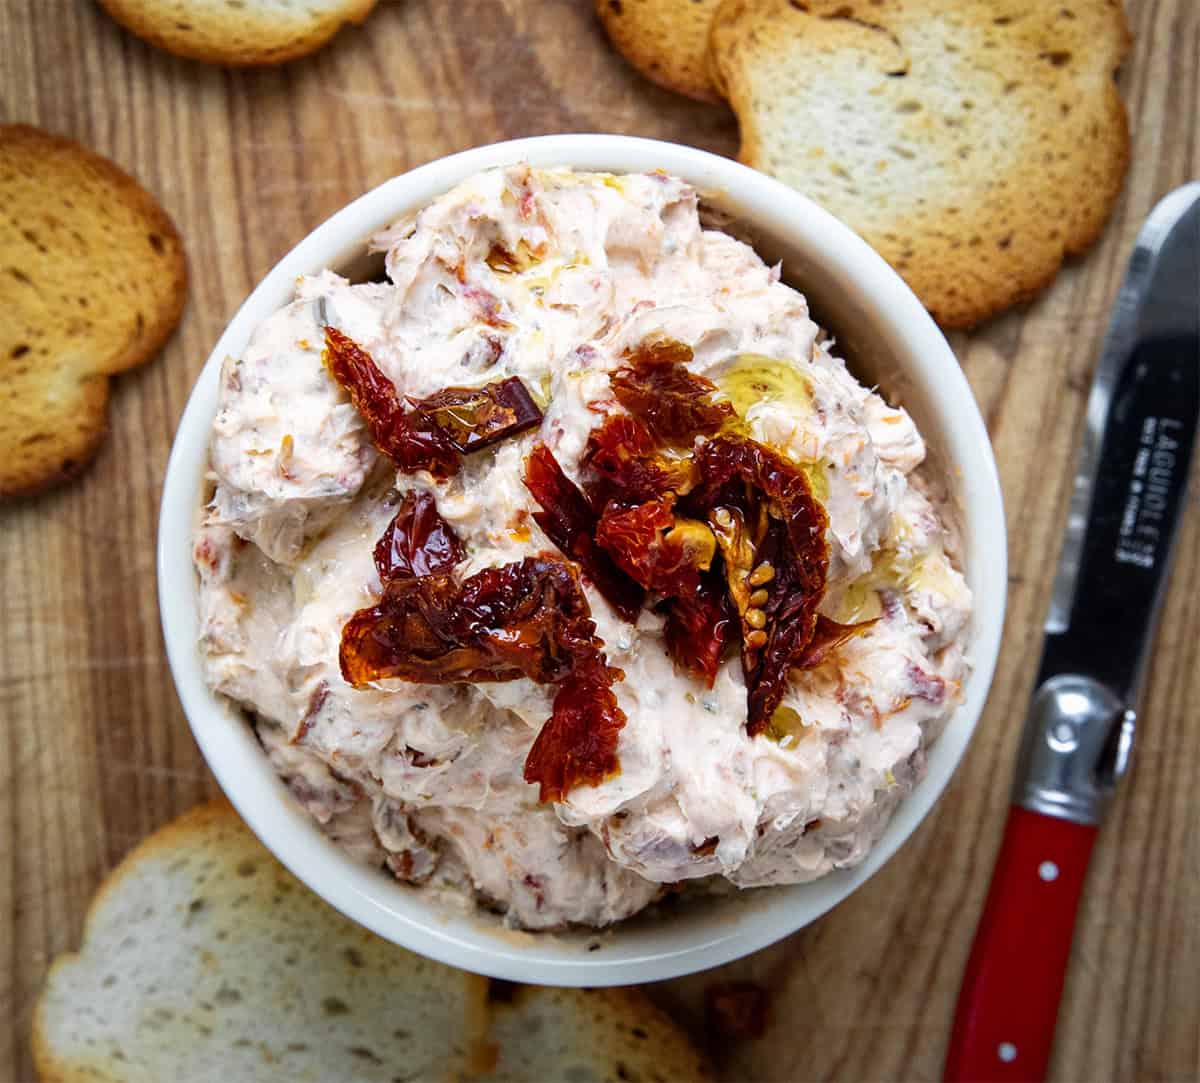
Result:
{"points": [[94, 282], [974, 146], [245, 35]]}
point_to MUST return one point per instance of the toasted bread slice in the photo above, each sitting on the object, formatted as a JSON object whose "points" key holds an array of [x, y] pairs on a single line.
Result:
{"points": [[204, 959], [239, 33], [589, 1035], [666, 40], [974, 144], [92, 281]]}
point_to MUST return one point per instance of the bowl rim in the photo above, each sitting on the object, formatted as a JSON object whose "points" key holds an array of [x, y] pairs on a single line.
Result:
{"points": [[749, 920]]}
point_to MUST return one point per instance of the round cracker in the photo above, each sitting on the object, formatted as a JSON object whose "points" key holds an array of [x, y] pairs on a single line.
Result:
{"points": [[238, 33], [666, 40], [974, 146], [92, 282]]}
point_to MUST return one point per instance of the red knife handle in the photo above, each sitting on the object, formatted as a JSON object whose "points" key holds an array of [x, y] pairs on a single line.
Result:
{"points": [[1008, 1004]]}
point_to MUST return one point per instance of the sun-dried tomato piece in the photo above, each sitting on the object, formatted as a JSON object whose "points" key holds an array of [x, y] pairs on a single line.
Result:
{"points": [[527, 619], [578, 746], [790, 620], [516, 605], [410, 446], [399, 637], [660, 551], [431, 433], [674, 403], [771, 530], [698, 628], [476, 417], [569, 521], [621, 463], [828, 635], [418, 541]]}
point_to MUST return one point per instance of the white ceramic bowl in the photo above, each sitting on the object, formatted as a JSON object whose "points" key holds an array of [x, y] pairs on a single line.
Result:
{"points": [[888, 338]]}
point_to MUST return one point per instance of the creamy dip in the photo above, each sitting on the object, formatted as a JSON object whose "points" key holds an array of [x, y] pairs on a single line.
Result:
{"points": [[427, 779]]}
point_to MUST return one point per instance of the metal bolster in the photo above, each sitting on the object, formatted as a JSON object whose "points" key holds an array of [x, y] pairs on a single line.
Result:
{"points": [[1076, 746]]}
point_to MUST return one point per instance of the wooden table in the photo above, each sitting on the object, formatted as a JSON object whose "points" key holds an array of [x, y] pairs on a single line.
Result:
{"points": [[96, 752]]}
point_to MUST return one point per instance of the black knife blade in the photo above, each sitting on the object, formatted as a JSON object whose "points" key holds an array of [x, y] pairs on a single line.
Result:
{"points": [[1133, 471]]}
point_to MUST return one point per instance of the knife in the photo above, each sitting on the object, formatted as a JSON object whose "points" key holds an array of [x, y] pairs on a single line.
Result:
{"points": [[1130, 488]]}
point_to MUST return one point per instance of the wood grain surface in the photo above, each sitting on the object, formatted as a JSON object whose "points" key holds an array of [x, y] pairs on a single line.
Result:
{"points": [[95, 752]]}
